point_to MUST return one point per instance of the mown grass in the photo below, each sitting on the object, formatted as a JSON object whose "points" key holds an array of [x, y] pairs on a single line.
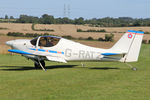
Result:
{"points": [[97, 81]]}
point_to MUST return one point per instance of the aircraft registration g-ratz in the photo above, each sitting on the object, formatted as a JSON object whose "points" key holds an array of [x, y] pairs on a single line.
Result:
{"points": [[58, 49]]}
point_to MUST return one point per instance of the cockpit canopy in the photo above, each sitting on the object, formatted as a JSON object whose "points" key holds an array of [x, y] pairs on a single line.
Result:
{"points": [[45, 41]]}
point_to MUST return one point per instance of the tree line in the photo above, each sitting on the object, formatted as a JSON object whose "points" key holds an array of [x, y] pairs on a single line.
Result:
{"points": [[108, 37], [95, 22]]}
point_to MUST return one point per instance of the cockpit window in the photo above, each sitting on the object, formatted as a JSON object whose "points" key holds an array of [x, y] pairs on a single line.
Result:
{"points": [[48, 41], [34, 41]]}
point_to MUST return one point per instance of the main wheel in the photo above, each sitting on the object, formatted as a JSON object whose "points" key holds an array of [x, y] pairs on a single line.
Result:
{"points": [[36, 65]]}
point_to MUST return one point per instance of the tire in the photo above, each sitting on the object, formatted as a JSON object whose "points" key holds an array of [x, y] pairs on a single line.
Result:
{"points": [[134, 68], [37, 65]]}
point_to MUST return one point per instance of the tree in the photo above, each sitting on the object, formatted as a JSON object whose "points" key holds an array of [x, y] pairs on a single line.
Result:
{"points": [[6, 16], [136, 23], [47, 19], [11, 17], [79, 21], [101, 22], [27, 19]]}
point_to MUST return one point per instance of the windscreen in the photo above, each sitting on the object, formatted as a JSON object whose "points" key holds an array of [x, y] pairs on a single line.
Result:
{"points": [[48, 41], [34, 41]]}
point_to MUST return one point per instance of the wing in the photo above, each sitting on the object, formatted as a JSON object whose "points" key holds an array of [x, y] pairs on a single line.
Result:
{"points": [[19, 52], [57, 59], [38, 53]]}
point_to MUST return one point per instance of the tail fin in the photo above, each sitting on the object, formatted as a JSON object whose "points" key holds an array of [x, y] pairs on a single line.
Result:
{"points": [[130, 44]]}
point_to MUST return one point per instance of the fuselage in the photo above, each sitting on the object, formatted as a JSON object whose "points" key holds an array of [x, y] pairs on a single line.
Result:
{"points": [[58, 49], [67, 49]]}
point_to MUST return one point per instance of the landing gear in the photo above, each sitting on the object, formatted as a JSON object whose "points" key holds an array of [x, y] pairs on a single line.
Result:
{"points": [[38, 64], [43, 63], [133, 68], [82, 64]]}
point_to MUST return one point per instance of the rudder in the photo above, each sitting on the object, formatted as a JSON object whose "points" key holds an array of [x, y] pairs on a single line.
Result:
{"points": [[134, 50]]}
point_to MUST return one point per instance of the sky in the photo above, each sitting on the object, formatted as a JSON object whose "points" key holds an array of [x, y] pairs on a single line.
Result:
{"points": [[76, 8]]}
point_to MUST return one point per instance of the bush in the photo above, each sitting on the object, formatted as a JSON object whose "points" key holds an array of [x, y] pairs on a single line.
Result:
{"points": [[90, 38], [16, 34], [31, 35], [109, 37], [79, 30], [68, 37], [146, 32], [102, 30], [148, 41], [91, 30], [2, 28], [101, 39], [144, 41]]}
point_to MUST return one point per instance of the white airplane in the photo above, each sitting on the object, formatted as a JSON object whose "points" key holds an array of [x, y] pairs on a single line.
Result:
{"points": [[58, 49]]}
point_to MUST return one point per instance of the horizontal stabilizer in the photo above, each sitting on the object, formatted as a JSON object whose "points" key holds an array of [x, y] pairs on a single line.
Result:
{"points": [[112, 56], [109, 54]]}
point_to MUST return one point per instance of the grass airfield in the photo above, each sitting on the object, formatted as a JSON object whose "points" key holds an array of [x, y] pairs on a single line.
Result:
{"points": [[96, 81]]}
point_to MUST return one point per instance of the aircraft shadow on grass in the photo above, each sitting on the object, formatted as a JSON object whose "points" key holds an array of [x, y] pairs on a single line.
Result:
{"points": [[104, 68], [24, 68]]}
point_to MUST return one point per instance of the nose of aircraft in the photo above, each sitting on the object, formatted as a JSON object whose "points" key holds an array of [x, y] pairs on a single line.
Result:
{"points": [[10, 43]]}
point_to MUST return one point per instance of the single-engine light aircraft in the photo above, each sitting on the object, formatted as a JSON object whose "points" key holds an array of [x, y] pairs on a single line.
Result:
{"points": [[59, 49]]}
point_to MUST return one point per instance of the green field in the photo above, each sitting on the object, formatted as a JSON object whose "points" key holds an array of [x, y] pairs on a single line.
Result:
{"points": [[97, 81]]}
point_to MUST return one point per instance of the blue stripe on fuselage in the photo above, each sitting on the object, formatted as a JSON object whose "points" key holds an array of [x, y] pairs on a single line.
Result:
{"points": [[19, 51], [52, 51], [42, 50]]}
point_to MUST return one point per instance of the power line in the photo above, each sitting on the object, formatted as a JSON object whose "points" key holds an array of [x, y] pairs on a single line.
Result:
{"points": [[66, 12]]}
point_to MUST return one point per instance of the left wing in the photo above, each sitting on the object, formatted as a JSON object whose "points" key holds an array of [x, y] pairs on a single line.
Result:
{"points": [[37, 53], [57, 59]]}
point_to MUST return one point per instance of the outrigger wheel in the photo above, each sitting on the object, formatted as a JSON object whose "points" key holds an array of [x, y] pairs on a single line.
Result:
{"points": [[134, 68]]}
